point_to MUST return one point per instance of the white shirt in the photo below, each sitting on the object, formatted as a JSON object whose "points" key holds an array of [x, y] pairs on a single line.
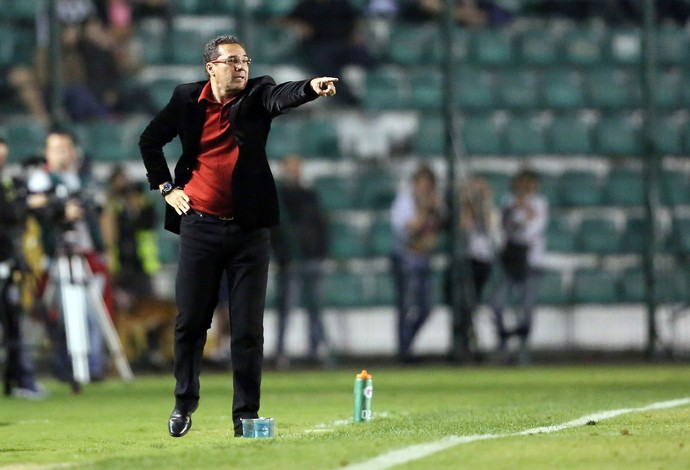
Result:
{"points": [[530, 232]]}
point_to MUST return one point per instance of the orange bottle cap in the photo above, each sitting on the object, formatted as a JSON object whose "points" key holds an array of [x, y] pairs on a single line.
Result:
{"points": [[364, 375]]}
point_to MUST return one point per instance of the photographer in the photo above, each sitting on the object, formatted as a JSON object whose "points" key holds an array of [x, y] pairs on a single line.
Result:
{"points": [[19, 379], [70, 225]]}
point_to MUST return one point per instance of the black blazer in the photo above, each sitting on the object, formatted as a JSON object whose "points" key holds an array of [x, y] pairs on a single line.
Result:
{"points": [[250, 115]]}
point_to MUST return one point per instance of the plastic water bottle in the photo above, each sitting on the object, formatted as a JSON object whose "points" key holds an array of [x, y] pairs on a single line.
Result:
{"points": [[364, 390]]}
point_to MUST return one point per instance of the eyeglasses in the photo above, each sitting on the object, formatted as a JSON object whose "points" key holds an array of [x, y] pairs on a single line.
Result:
{"points": [[233, 60]]}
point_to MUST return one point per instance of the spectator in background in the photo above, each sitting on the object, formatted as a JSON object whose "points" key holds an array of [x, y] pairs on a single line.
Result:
{"points": [[70, 224], [479, 228], [19, 378], [163, 9], [130, 240], [417, 217], [92, 67], [129, 235], [331, 38], [31, 83], [300, 245], [465, 12], [524, 218], [613, 12], [123, 17]]}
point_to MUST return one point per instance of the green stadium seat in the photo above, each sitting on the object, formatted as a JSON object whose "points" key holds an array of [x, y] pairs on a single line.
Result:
{"points": [[570, 135], [624, 188], [155, 48], [429, 139], [427, 94], [189, 45], [594, 286], [275, 8], [381, 238], [482, 135], [474, 89], [670, 135], [599, 236], [411, 44], [460, 46], [676, 287], [233, 7], [633, 285], [346, 241], [287, 136], [21, 10], [561, 234], [670, 286], [579, 188], [276, 45], [563, 89], [8, 44], [612, 88], [675, 188], [549, 188], [673, 46], [25, 137], [684, 86], [386, 88], [680, 236], [525, 136], [194, 7], [376, 189], [667, 92], [110, 141], [618, 136], [335, 193], [320, 138], [517, 89], [584, 46], [551, 290], [493, 47], [162, 90], [539, 47], [344, 289], [633, 239], [384, 293]]}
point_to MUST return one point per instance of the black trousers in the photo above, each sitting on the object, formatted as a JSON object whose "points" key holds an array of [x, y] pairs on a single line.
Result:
{"points": [[209, 246]]}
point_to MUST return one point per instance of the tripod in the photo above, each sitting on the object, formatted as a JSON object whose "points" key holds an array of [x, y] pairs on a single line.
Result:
{"points": [[71, 278]]}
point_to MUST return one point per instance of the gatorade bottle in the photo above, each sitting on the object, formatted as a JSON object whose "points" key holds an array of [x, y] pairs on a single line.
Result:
{"points": [[364, 390]]}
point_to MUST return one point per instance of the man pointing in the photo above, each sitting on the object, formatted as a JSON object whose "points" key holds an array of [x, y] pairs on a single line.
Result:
{"points": [[221, 201]]}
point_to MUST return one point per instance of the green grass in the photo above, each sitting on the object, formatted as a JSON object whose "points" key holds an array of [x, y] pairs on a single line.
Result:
{"points": [[123, 426]]}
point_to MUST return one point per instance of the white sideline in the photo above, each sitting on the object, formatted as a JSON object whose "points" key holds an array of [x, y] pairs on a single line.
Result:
{"points": [[418, 451]]}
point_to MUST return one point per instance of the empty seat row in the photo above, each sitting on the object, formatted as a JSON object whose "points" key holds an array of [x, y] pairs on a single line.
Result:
{"points": [[411, 44], [343, 288], [600, 286], [604, 87], [566, 134], [593, 235]]}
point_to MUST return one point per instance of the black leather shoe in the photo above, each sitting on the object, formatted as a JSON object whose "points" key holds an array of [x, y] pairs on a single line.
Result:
{"points": [[180, 423], [238, 431]]}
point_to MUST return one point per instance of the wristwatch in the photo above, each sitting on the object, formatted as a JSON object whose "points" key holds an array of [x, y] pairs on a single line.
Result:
{"points": [[167, 188]]}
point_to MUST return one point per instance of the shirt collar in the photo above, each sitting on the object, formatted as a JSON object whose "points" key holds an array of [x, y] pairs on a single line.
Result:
{"points": [[207, 94]]}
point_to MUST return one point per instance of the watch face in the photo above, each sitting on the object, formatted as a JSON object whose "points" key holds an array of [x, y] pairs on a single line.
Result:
{"points": [[167, 187]]}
